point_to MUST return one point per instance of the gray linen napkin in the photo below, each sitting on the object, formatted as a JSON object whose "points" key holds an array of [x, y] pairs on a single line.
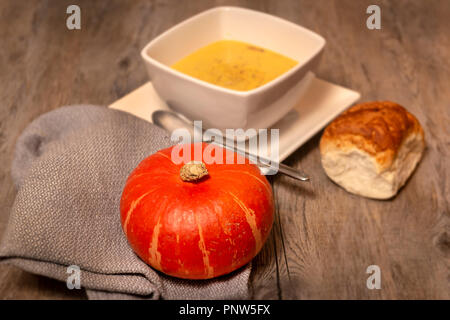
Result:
{"points": [[70, 167]]}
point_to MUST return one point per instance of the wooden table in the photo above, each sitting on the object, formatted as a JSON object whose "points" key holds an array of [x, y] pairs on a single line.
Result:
{"points": [[324, 238]]}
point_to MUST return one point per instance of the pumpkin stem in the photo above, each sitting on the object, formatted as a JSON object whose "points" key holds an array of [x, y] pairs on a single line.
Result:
{"points": [[193, 171]]}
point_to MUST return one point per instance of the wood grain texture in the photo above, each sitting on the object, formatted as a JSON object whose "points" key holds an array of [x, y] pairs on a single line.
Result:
{"points": [[323, 238]]}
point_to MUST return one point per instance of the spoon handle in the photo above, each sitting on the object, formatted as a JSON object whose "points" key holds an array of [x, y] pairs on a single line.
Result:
{"points": [[263, 162], [170, 121]]}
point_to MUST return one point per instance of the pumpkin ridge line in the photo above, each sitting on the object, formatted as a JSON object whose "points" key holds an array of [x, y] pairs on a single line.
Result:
{"points": [[205, 254], [154, 255], [251, 220], [164, 155], [133, 206], [249, 174], [219, 220]]}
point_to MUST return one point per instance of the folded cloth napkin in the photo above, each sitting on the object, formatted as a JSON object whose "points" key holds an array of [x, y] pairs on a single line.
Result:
{"points": [[70, 166]]}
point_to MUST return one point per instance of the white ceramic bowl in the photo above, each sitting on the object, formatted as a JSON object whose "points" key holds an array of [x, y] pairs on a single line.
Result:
{"points": [[223, 108]]}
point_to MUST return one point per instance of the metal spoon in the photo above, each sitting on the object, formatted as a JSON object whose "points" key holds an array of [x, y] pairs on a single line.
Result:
{"points": [[171, 121]]}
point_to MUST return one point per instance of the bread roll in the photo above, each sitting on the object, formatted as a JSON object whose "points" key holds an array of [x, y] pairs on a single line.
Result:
{"points": [[372, 148]]}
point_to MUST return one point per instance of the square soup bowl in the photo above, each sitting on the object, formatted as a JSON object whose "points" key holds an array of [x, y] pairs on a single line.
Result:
{"points": [[224, 108]]}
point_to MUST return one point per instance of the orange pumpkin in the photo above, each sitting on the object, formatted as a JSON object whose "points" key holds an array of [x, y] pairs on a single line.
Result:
{"points": [[193, 223]]}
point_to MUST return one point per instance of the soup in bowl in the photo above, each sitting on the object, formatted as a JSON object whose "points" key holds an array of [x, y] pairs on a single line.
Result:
{"points": [[232, 67]]}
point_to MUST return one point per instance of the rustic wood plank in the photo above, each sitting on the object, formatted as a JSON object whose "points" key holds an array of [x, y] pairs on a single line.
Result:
{"points": [[323, 238], [333, 236]]}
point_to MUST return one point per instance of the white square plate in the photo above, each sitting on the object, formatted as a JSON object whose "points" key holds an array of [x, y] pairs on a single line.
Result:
{"points": [[322, 102]]}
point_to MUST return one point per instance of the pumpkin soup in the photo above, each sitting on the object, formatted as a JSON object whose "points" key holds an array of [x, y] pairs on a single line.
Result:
{"points": [[234, 65]]}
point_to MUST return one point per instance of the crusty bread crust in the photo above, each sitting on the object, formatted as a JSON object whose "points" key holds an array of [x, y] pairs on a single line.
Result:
{"points": [[378, 128]]}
